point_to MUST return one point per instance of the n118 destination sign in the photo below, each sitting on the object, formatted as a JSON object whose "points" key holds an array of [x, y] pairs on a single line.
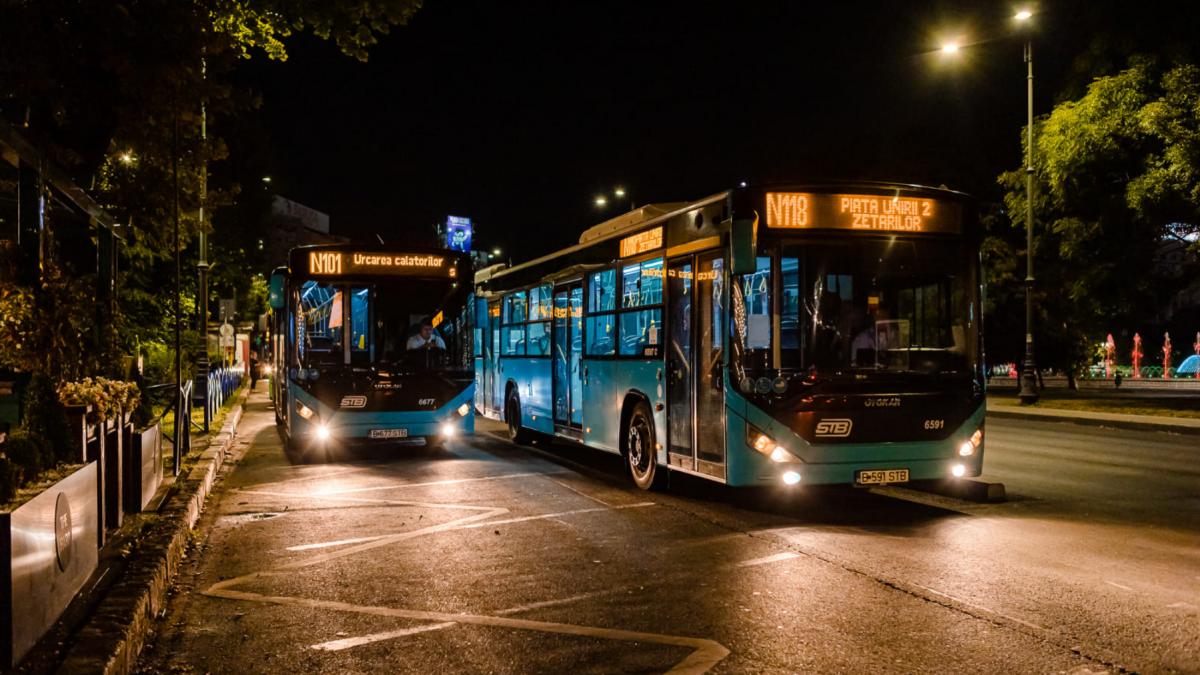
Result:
{"points": [[866, 213], [368, 263]]}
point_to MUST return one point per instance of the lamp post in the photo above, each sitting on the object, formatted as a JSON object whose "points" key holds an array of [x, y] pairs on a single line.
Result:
{"points": [[1029, 390]]}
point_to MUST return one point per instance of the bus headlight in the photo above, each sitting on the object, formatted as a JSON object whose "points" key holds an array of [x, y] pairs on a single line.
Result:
{"points": [[448, 430], [968, 447], [464, 409], [767, 445], [305, 411], [322, 432]]}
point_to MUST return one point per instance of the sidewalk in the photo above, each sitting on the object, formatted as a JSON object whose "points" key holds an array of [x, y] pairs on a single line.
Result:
{"points": [[1179, 425]]}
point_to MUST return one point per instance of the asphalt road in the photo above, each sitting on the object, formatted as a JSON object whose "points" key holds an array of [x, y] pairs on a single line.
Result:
{"points": [[493, 558]]}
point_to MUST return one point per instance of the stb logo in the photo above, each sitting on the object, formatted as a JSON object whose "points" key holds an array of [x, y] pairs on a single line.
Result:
{"points": [[354, 401], [324, 263], [834, 428]]}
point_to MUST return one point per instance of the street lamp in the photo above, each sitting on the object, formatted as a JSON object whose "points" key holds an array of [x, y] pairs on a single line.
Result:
{"points": [[1028, 393], [600, 201]]}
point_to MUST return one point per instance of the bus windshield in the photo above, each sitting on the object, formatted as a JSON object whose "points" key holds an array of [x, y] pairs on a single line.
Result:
{"points": [[865, 305], [413, 324]]}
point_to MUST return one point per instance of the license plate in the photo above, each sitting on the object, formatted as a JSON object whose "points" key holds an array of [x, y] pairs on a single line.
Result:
{"points": [[387, 433], [882, 476]]}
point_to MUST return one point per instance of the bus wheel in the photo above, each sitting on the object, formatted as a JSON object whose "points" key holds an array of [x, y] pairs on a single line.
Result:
{"points": [[639, 446], [512, 415]]}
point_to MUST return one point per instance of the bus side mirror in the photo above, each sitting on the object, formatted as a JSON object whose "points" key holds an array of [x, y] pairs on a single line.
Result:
{"points": [[276, 292], [743, 240]]}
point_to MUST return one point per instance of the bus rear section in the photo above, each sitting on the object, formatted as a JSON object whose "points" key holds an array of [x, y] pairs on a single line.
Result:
{"points": [[378, 348]]}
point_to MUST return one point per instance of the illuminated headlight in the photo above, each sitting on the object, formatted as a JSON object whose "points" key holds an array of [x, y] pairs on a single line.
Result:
{"points": [[791, 477], [959, 470], [968, 447], [767, 446], [448, 430], [305, 411], [322, 432], [464, 409]]}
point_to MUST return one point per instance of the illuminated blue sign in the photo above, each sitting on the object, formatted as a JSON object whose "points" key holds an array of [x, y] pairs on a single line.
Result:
{"points": [[458, 234]]}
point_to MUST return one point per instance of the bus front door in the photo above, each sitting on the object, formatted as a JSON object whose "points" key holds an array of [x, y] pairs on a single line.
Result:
{"points": [[695, 393]]}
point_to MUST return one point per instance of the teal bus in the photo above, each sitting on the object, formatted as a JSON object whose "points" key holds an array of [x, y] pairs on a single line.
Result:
{"points": [[797, 334], [372, 345]]}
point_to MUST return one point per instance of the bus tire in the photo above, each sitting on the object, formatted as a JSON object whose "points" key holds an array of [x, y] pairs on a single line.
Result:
{"points": [[637, 444], [512, 416]]}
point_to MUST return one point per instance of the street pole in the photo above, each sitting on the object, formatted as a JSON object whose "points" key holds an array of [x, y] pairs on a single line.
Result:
{"points": [[1029, 392], [201, 375]]}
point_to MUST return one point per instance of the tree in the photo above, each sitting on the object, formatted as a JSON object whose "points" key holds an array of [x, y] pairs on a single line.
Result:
{"points": [[1117, 175], [113, 92]]}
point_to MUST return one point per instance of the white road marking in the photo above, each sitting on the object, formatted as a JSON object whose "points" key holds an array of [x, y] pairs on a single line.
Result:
{"points": [[1182, 605], [579, 492], [786, 555], [706, 654], [331, 544], [544, 516], [347, 643], [508, 521], [398, 486], [1120, 586]]}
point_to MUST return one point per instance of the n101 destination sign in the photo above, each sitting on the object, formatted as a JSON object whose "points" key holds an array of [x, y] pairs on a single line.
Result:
{"points": [[866, 213], [374, 263]]}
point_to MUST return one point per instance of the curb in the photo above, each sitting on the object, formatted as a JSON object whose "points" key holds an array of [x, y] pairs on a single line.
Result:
{"points": [[1133, 424], [113, 637]]}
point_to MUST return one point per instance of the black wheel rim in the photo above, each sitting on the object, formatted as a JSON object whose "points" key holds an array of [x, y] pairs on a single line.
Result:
{"points": [[639, 448]]}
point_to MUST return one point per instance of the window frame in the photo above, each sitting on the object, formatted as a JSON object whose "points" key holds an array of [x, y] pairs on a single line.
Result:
{"points": [[617, 267], [545, 295]]}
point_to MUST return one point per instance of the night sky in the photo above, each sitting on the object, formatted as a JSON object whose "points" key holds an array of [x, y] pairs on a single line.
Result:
{"points": [[517, 114]]}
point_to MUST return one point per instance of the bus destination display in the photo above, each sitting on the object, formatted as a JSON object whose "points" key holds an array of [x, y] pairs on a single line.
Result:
{"points": [[374, 263], [871, 213]]}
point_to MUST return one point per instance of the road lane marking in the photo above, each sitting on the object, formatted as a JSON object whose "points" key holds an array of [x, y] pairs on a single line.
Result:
{"points": [[706, 653], [579, 492], [347, 643], [544, 516], [1120, 586], [786, 555], [508, 521], [252, 489]]}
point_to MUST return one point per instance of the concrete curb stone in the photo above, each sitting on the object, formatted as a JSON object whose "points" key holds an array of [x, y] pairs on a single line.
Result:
{"points": [[113, 637], [1181, 425]]}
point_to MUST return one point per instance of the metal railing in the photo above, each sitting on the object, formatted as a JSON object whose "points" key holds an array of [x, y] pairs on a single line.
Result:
{"points": [[219, 385]]}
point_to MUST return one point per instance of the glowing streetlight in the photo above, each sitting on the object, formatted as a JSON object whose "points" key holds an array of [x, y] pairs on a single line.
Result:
{"points": [[496, 252], [127, 158], [600, 201], [950, 48], [266, 179], [1023, 15], [619, 192]]}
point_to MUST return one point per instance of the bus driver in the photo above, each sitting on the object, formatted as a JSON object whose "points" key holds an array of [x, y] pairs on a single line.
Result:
{"points": [[426, 338]]}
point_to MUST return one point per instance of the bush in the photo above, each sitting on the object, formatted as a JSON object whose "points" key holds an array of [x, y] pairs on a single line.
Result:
{"points": [[8, 479], [29, 455], [46, 418]]}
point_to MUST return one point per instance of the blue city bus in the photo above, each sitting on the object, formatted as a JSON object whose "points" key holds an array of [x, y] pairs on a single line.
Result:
{"points": [[372, 345], [767, 335]]}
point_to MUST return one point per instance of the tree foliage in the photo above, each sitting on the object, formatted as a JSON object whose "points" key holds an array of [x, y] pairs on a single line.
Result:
{"points": [[113, 92], [1117, 177]]}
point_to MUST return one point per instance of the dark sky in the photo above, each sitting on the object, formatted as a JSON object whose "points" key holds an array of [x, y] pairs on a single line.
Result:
{"points": [[518, 113]]}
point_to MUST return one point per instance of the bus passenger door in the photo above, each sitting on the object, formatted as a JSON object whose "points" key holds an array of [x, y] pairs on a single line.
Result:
{"points": [[491, 337], [568, 352], [696, 320], [680, 378], [712, 320]]}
